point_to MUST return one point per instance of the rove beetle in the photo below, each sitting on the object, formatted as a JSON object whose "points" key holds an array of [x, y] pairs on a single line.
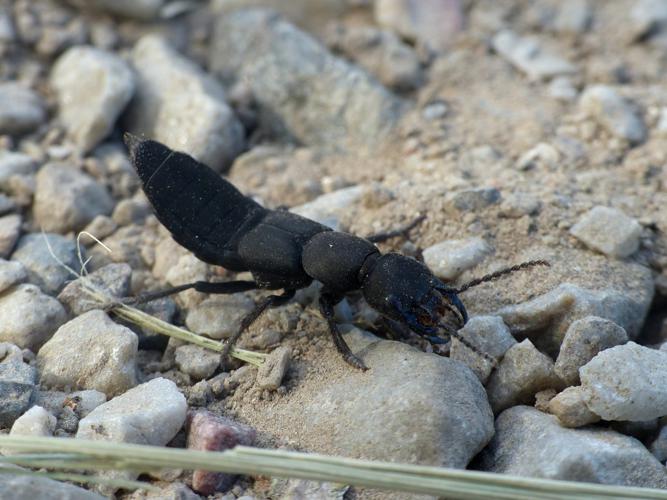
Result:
{"points": [[211, 218]]}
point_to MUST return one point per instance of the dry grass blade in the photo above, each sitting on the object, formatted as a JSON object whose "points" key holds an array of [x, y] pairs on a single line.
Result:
{"points": [[450, 483]]}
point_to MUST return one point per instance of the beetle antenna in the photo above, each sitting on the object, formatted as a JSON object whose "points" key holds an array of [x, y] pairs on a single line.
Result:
{"points": [[456, 335], [502, 272]]}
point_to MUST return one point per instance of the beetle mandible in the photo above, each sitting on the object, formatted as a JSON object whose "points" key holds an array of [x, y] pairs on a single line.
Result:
{"points": [[210, 217]]}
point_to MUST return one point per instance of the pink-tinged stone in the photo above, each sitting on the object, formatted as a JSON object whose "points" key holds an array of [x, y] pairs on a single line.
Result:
{"points": [[209, 432]]}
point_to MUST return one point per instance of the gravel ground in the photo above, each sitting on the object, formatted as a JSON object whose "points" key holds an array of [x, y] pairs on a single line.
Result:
{"points": [[521, 130]]}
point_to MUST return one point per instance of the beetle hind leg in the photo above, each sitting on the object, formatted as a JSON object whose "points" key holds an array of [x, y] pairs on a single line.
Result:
{"points": [[327, 302]]}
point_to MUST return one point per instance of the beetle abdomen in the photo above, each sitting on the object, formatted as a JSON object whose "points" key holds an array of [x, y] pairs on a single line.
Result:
{"points": [[203, 212]]}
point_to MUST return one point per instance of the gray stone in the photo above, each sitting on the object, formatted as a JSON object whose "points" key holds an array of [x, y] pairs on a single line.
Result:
{"points": [[563, 89], [615, 113], [196, 361], [210, 432], [100, 227], [570, 408], [270, 374], [542, 154], [434, 23], [11, 273], [112, 280], [35, 422], [379, 52], [143, 10], [7, 204], [131, 212], [554, 452], [29, 317], [608, 230], [518, 204], [522, 373], [11, 164], [450, 258], [21, 109], [327, 208], [151, 413], [86, 401], [21, 487], [489, 335], [17, 385], [90, 352], [92, 87], [527, 55], [648, 17], [43, 269], [10, 229], [574, 16], [409, 406], [659, 445], [302, 90], [583, 340], [67, 199], [472, 200], [627, 382], [179, 105], [219, 317]]}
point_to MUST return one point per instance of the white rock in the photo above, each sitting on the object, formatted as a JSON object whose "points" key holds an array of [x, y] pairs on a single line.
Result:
{"points": [[528, 56], [179, 105], [67, 199], [608, 230], [29, 317], [615, 113], [449, 259], [627, 382], [21, 110], [93, 87], [90, 352], [35, 422], [325, 208], [198, 362], [151, 413]]}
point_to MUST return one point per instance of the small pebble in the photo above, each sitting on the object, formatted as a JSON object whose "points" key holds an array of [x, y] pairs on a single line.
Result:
{"points": [[112, 280], [35, 422], [270, 375], [18, 382], [473, 200], [608, 230], [583, 340], [615, 113], [10, 229], [210, 432], [570, 408], [219, 317], [21, 109], [11, 164], [450, 258], [522, 372], [198, 362], [326, 208]]}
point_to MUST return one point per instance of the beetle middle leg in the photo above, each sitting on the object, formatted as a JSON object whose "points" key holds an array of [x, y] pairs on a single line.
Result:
{"points": [[327, 302], [266, 303], [221, 287]]}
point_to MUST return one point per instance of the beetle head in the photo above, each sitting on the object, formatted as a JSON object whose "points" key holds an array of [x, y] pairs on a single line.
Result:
{"points": [[406, 291]]}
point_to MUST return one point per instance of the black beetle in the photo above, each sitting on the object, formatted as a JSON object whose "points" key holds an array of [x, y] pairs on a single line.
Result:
{"points": [[211, 218]]}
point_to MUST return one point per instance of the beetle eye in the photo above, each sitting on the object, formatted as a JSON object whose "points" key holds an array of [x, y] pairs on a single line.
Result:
{"points": [[425, 319]]}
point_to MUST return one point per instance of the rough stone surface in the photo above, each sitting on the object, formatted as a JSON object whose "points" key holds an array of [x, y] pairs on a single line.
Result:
{"points": [[101, 80], [615, 113], [10, 229], [21, 110], [151, 413], [609, 231], [11, 273], [90, 352], [35, 422], [196, 361], [71, 209], [403, 390], [112, 279], [491, 336], [570, 408], [529, 57], [210, 432], [583, 340], [219, 317], [17, 385], [327, 208], [43, 269], [554, 452], [277, 60], [627, 382], [20, 487], [29, 317], [449, 259], [522, 372], [270, 374], [177, 104]]}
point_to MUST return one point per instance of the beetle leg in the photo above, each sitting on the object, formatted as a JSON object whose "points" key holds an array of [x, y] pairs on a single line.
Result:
{"points": [[327, 302], [402, 231], [266, 303], [225, 287]]}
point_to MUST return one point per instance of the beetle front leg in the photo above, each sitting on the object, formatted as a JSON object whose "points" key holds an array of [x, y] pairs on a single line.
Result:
{"points": [[327, 303]]}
